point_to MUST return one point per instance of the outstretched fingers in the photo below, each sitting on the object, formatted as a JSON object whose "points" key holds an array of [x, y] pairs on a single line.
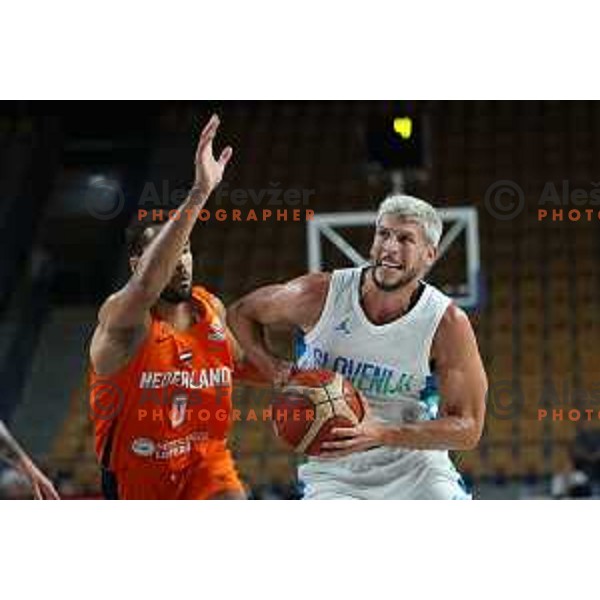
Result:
{"points": [[225, 156], [210, 126], [207, 136], [37, 492]]}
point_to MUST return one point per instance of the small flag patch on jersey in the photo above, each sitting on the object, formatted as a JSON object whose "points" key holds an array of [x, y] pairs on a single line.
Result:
{"points": [[185, 356]]}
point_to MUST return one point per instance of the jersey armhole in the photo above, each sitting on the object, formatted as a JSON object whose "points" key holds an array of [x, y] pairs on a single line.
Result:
{"points": [[325, 315], [207, 300], [429, 340], [128, 364]]}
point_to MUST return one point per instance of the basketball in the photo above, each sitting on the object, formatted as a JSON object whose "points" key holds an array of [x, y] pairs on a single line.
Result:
{"points": [[310, 405]]}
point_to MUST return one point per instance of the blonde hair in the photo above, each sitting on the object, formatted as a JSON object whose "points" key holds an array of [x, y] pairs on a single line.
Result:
{"points": [[408, 207]]}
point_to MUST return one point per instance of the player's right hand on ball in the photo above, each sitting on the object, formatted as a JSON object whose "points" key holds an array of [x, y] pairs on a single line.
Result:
{"points": [[209, 171]]}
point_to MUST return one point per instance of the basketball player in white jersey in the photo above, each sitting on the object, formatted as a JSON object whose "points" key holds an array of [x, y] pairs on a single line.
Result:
{"points": [[387, 331]]}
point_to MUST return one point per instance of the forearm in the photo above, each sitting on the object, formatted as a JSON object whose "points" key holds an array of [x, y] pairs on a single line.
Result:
{"points": [[10, 450], [250, 336], [446, 433], [159, 260]]}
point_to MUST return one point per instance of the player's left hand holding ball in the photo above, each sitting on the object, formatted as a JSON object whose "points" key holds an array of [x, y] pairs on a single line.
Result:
{"points": [[208, 171], [347, 440]]}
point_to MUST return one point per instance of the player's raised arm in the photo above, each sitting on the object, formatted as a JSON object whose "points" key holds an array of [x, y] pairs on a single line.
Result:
{"points": [[12, 453], [462, 384], [298, 303], [124, 317]]}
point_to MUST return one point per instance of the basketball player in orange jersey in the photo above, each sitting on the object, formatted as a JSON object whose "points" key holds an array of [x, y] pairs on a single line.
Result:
{"points": [[387, 331], [14, 455], [161, 364]]}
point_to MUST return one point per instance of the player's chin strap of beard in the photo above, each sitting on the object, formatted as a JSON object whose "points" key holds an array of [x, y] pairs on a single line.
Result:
{"points": [[174, 297], [384, 287]]}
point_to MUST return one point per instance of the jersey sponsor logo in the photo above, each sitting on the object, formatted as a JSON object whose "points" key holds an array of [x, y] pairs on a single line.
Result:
{"points": [[216, 332], [148, 448], [196, 379], [143, 447], [343, 327], [180, 446], [177, 413]]}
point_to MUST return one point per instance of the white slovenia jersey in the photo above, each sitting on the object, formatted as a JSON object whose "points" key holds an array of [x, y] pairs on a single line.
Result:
{"points": [[390, 365]]}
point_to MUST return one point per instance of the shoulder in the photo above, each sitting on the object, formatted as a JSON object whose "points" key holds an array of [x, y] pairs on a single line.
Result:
{"points": [[117, 336], [454, 317], [116, 314], [305, 297], [202, 295], [311, 285], [437, 296], [106, 306], [453, 333]]}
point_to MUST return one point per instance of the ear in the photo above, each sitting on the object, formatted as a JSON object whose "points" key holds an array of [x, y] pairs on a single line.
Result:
{"points": [[372, 249], [431, 255], [372, 253]]}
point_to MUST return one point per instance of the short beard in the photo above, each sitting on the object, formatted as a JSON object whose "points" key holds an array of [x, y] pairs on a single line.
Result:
{"points": [[392, 287], [173, 296]]}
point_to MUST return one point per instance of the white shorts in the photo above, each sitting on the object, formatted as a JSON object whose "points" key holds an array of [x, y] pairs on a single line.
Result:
{"points": [[383, 474]]}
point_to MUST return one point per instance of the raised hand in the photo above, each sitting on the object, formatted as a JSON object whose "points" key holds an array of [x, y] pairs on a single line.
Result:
{"points": [[209, 171]]}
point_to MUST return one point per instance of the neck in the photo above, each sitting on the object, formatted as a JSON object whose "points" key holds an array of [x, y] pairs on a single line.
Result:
{"points": [[180, 315]]}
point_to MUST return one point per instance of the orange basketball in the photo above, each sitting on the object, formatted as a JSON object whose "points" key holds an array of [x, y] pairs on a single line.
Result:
{"points": [[310, 405]]}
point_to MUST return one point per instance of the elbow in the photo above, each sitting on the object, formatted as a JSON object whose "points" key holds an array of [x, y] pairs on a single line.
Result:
{"points": [[234, 308], [472, 425], [470, 443], [235, 314], [232, 315], [471, 435]]}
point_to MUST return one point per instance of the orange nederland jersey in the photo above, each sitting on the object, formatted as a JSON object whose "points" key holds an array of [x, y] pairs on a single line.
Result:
{"points": [[172, 401]]}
